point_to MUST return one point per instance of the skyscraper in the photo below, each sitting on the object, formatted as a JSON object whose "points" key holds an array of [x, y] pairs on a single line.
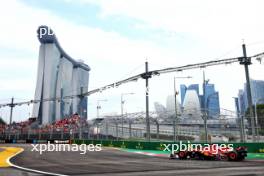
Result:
{"points": [[191, 105], [184, 88], [60, 78], [208, 101], [242, 102], [257, 91], [211, 101], [237, 106], [194, 87]]}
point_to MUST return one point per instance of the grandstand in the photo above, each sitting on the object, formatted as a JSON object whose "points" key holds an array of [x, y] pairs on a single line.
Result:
{"points": [[30, 127]]}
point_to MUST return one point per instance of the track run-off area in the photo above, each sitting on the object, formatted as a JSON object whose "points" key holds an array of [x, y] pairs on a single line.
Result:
{"points": [[19, 160]]}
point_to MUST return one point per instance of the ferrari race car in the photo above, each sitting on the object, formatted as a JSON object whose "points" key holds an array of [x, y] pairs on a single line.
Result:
{"points": [[237, 154]]}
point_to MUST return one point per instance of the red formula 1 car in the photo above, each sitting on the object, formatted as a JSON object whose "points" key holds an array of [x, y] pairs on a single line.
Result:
{"points": [[236, 154]]}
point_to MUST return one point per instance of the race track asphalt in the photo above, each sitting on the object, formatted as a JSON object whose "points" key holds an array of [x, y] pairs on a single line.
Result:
{"points": [[114, 162]]}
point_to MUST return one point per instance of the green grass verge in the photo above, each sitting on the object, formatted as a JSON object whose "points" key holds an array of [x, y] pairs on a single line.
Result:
{"points": [[259, 156]]}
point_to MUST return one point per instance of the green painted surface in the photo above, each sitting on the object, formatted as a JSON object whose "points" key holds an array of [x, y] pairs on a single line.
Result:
{"points": [[255, 156], [259, 156], [156, 145]]}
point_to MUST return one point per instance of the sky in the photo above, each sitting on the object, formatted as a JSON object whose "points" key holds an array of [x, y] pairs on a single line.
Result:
{"points": [[116, 37]]}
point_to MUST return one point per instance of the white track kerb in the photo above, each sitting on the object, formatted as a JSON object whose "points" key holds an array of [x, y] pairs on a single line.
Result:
{"points": [[27, 169]]}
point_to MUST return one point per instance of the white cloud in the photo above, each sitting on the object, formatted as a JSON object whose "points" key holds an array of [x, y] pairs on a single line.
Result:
{"points": [[105, 52], [212, 28], [212, 22], [19, 84]]}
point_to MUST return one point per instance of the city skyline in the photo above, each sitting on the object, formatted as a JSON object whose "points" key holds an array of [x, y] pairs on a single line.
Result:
{"points": [[131, 87], [257, 91], [116, 41]]}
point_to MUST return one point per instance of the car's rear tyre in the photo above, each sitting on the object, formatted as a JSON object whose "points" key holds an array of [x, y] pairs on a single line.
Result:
{"points": [[182, 155], [241, 157], [232, 156]]}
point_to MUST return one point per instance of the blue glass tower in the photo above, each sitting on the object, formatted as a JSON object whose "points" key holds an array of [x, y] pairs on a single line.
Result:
{"points": [[209, 100], [257, 91], [183, 92], [184, 88], [237, 106], [194, 87]]}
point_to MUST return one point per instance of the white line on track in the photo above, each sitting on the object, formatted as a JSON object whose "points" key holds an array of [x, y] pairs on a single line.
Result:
{"points": [[27, 169]]}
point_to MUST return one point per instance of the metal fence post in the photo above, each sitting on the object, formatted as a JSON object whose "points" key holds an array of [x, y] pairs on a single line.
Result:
{"points": [[116, 125], [28, 133], [51, 133], [130, 130], [97, 131], [61, 133], [80, 131], [39, 134], [157, 135], [106, 130]]}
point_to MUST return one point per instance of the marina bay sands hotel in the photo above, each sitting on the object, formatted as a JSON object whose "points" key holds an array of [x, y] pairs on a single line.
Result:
{"points": [[61, 78]]}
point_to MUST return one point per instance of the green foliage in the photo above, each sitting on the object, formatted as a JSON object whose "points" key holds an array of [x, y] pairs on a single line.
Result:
{"points": [[261, 132], [2, 121], [260, 112], [260, 106]]}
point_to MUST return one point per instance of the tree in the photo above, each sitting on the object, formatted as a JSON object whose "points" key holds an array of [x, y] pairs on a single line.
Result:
{"points": [[260, 112], [2, 122]]}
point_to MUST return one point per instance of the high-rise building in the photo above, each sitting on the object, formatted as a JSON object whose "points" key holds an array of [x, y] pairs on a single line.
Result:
{"points": [[257, 92], [209, 101], [257, 89], [241, 105], [191, 105], [60, 78], [184, 88], [237, 106], [194, 87]]}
